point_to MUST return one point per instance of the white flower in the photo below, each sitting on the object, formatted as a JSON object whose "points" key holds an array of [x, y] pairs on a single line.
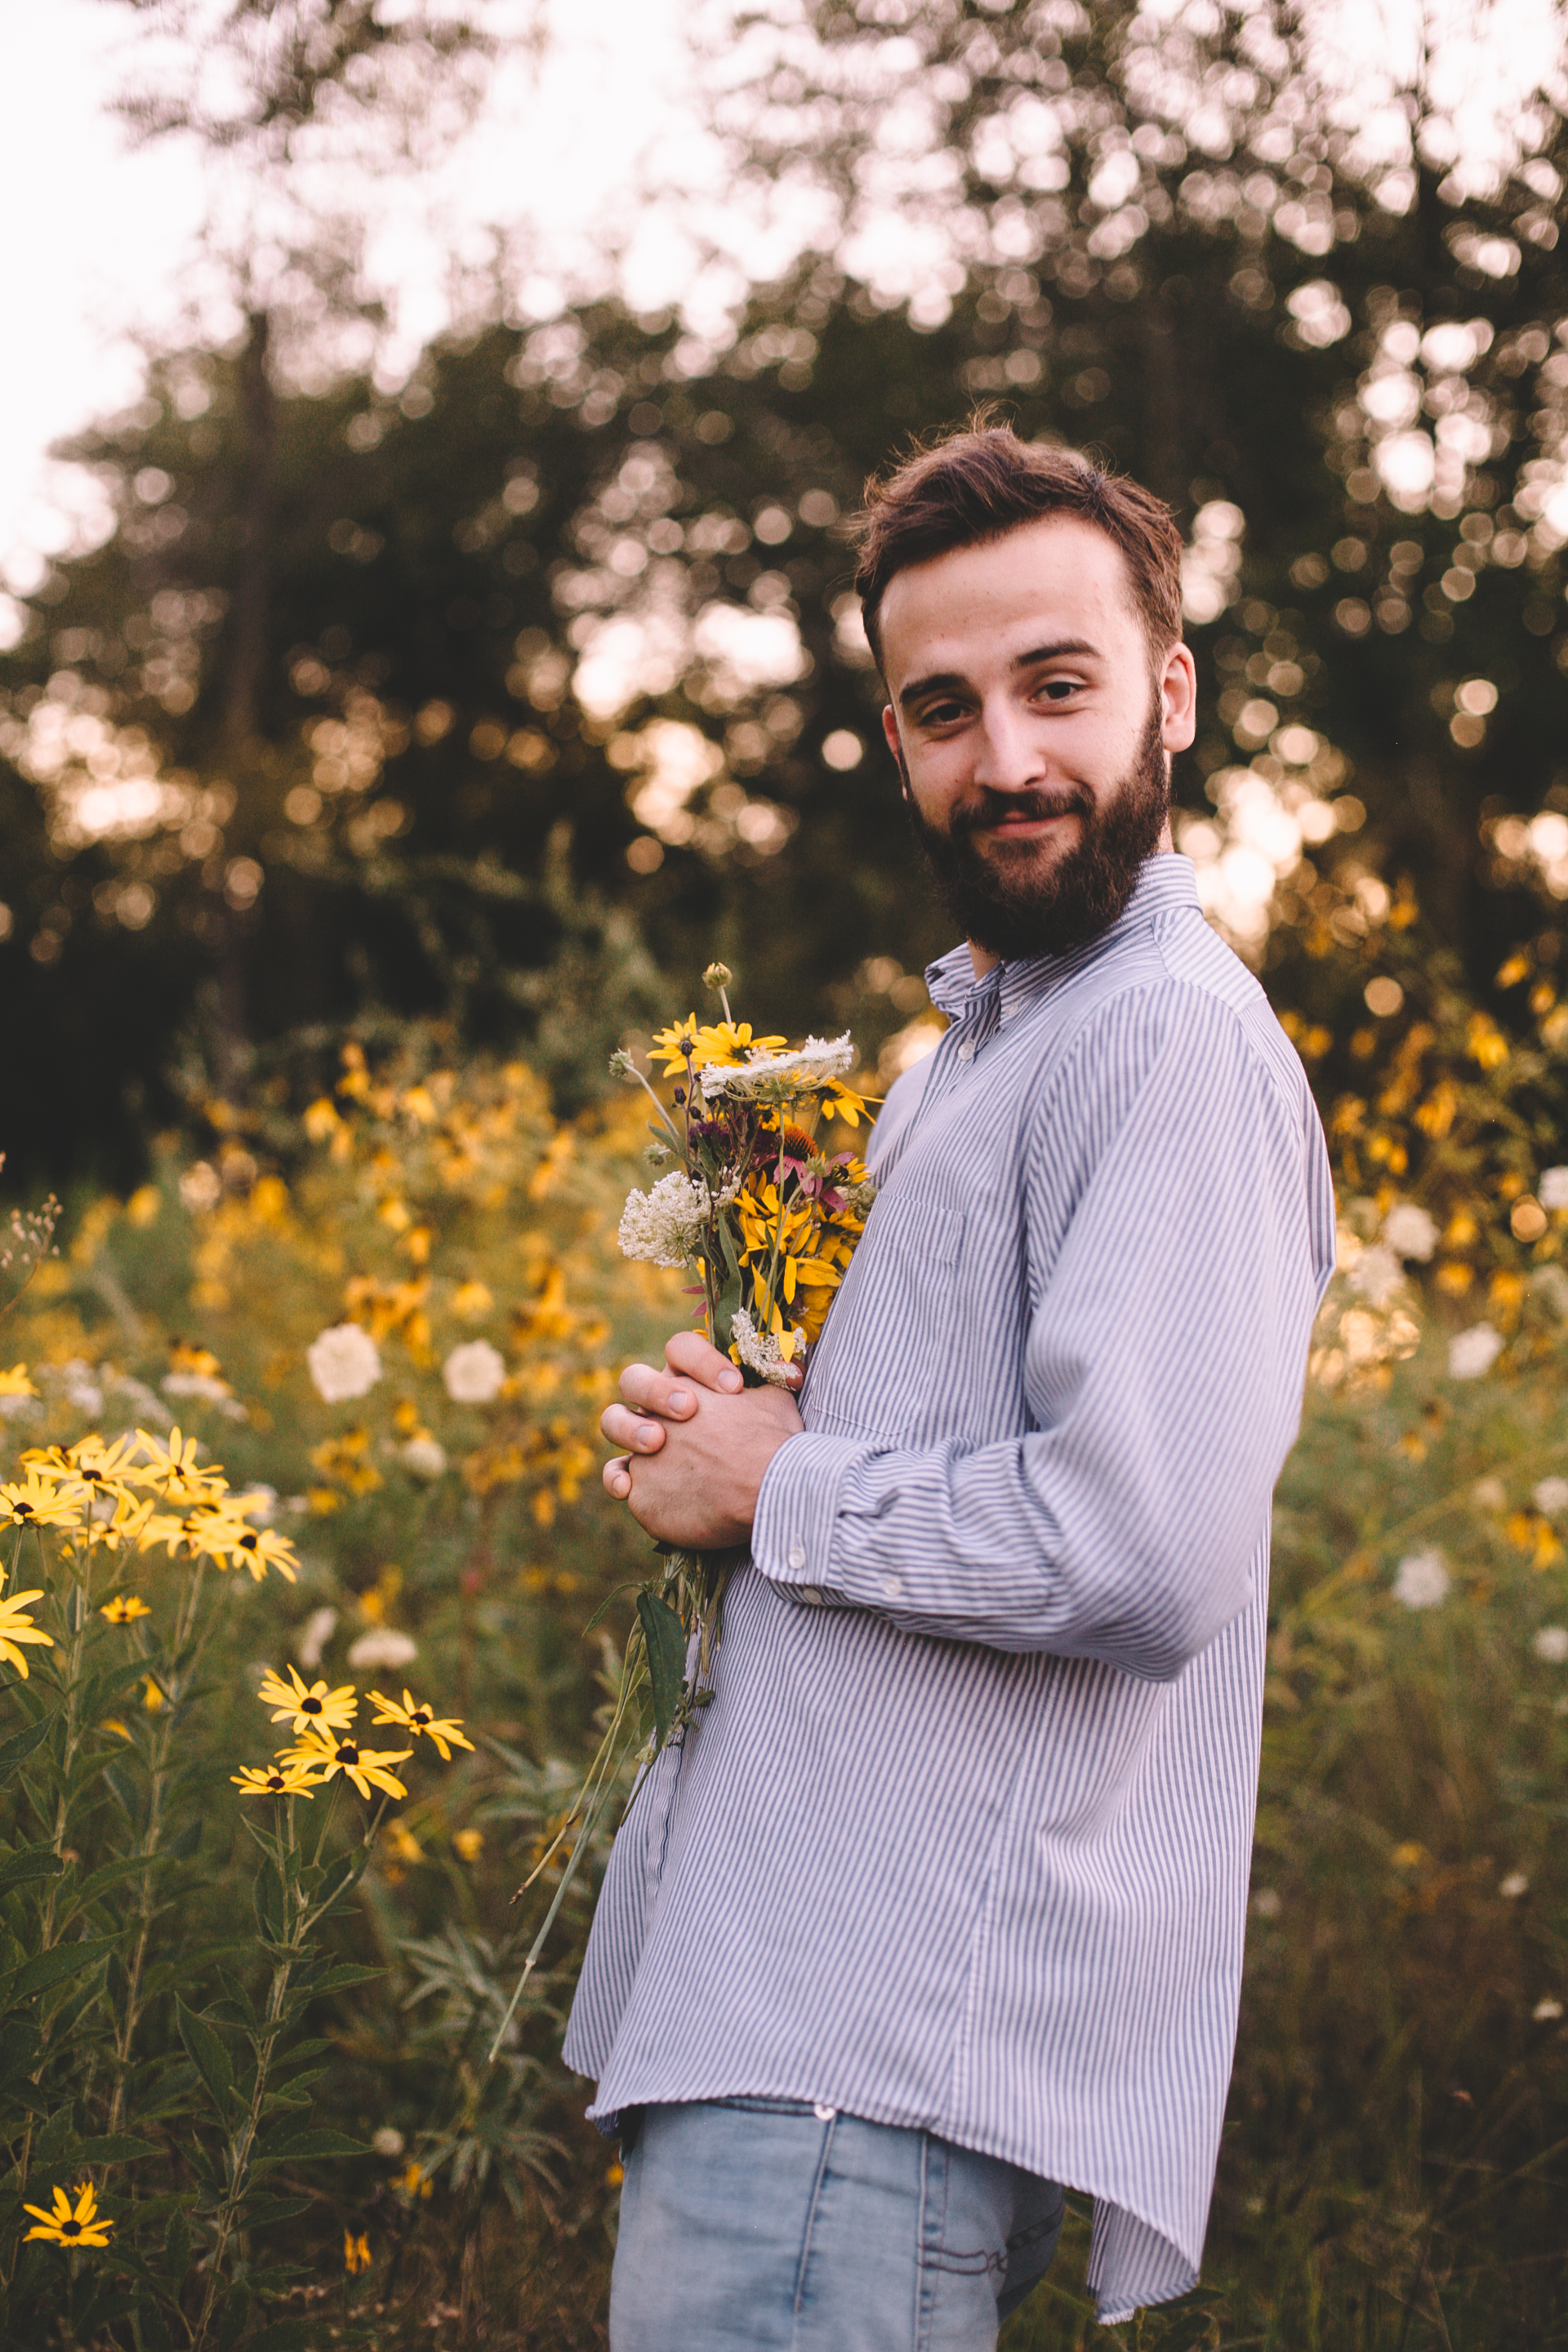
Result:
{"points": [[1550, 1496], [1552, 1190], [1512, 1887], [1409, 1232], [760, 1351], [316, 1633], [792, 1073], [1266, 1902], [1552, 1643], [1488, 1493], [388, 2140], [1547, 2011], [1421, 1581], [1473, 1352], [1376, 1276], [474, 1373], [663, 1227], [383, 1646], [422, 1458], [195, 1384], [343, 1362]]}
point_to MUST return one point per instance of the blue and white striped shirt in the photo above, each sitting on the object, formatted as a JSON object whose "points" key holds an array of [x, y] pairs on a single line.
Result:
{"points": [[962, 1841]]}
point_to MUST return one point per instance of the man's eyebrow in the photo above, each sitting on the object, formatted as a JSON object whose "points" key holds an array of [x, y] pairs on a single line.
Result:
{"points": [[950, 682]]}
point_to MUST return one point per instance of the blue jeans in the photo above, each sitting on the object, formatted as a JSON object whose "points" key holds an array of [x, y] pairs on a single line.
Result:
{"points": [[767, 2223]]}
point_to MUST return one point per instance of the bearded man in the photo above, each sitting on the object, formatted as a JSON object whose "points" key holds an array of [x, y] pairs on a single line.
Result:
{"points": [[940, 1905]]}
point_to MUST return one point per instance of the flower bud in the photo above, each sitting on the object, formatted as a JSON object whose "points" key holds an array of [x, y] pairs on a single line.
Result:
{"points": [[717, 976]]}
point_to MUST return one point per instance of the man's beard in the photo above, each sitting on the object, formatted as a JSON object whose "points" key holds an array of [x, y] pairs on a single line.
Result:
{"points": [[1006, 902]]}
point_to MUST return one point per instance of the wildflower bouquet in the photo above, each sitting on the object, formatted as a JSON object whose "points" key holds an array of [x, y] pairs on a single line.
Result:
{"points": [[768, 1222]]}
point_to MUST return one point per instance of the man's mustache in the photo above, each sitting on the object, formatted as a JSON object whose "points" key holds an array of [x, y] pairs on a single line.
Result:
{"points": [[992, 808]]}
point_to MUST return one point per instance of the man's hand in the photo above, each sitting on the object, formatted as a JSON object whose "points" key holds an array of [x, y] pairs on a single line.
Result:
{"points": [[697, 1443]]}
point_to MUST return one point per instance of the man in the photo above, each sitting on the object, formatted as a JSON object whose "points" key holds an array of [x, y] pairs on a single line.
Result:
{"points": [[942, 1903]]}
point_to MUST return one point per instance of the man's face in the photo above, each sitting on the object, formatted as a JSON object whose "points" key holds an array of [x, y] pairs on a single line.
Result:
{"points": [[1033, 732]]}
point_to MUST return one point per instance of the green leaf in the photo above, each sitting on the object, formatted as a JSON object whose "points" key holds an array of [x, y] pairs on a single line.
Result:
{"points": [[176, 2249], [114, 2148], [21, 1743], [207, 2055], [340, 1980], [54, 1967], [261, 2212], [29, 1862], [98, 1882], [302, 2147], [665, 1638]]}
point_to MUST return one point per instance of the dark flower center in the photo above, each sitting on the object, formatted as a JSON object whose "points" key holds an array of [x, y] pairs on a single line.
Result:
{"points": [[420, 1717], [70, 2229], [310, 1707], [275, 1780], [347, 1753], [247, 1543]]}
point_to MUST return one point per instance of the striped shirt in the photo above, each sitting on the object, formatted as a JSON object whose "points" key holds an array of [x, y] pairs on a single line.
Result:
{"points": [[962, 1841]]}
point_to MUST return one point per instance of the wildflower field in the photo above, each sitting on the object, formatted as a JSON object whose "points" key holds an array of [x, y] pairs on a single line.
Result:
{"points": [[313, 1612]]}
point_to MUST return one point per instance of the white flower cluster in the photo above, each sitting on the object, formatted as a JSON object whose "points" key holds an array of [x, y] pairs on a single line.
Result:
{"points": [[344, 1363], [1472, 1354], [1375, 1275], [1421, 1581], [1551, 1495], [760, 1351], [1410, 1232], [473, 1374], [1552, 1643], [423, 1457], [663, 1227], [383, 1645], [1552, 1190], [807, 1065]]}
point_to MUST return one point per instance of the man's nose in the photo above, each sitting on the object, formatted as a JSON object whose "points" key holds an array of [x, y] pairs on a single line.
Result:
{"points": [[1008, 756]]}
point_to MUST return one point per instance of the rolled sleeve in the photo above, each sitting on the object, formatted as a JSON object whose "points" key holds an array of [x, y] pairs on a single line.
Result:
{"points": [[796, 1525]]}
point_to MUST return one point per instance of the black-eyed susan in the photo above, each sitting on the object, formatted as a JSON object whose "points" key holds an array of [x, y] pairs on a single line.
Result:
{"points": [[444, 1732], [175, 1468], [17, 1627], [367, 1768], [227, 1536], [356, 2253], [413, 2180], [15, 1383], [80, 2224], [124, 1608], [38, 1500], [308, 1708], [280, 1779]]}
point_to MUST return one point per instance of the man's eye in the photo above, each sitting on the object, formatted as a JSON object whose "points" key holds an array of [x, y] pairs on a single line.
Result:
{"points": [[942, 714], [1060, 689]]}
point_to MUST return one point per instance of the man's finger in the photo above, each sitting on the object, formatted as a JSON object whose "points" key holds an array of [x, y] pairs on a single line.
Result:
{"points": [[647, 1391], [689, 1353], [617, 1478], [630, 1433]]}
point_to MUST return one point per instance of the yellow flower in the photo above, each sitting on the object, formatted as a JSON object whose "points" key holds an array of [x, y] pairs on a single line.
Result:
{"points": [[152, 1698], [35, 1500], [367, 1768], [82, 2226], [15, 1627], [15, 1383], [413, 2180], [227, 1536], [275, 1780], [726, 1042], [176, 1468], [401, 1842], [422, 1721], [315, 1708], [124, 1608], [469, 1844], [356, 2253]]}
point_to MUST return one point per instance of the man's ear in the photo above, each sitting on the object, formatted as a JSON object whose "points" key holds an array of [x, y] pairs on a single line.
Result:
{"points": [[890, 730], [1178, 691]]}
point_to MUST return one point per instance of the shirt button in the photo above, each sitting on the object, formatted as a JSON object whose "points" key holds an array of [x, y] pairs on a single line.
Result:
{"points": [[796, 1556], [893, 1588], [824, 2114], [966, 1051], [809, 1593]]}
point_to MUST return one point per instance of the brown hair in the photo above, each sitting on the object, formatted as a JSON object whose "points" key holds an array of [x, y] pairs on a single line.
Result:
{"points": [[980, 484]]}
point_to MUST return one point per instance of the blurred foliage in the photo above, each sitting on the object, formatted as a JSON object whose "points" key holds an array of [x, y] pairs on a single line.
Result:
{"points": [[555, 684]]}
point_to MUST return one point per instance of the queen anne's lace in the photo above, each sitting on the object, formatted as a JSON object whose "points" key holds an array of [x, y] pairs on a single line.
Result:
{"points": [[762, 1352], [663, 1227], [818, 1059]]}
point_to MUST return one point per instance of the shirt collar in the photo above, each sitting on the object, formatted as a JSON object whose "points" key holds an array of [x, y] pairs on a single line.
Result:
{"points": [[1166, 881]]}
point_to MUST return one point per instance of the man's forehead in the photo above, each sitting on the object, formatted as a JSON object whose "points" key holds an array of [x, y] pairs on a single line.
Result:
{"points": [[1058, 569]]}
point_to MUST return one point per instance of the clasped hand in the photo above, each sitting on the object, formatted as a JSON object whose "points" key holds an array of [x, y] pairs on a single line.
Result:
{"points": [[695, 1443]]}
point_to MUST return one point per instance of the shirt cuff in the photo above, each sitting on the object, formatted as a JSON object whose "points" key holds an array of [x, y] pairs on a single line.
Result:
{"points": [[794, 1532]]}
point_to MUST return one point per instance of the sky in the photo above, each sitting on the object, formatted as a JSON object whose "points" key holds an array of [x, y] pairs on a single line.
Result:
{"points": [[107, 261]]}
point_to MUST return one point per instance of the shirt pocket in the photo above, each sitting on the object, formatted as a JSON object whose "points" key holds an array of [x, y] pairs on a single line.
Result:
{"points": [[887, 1355]]}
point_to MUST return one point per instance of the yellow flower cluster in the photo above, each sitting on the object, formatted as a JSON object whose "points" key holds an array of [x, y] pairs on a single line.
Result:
{"points": [[135, 1495], [325, 1742], [798, 1231], [80, 2224]]}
